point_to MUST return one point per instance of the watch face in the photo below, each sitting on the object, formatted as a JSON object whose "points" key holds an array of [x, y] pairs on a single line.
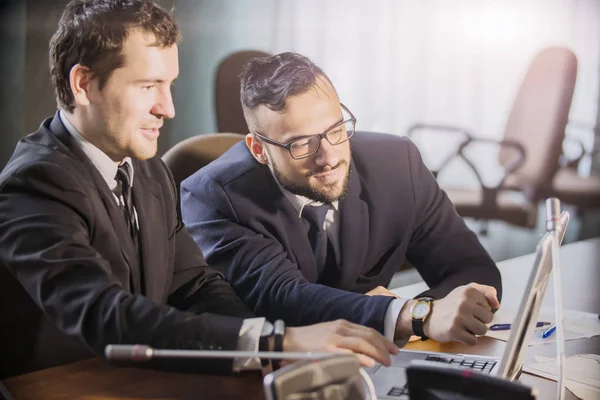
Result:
{"points": [[420, 310]]}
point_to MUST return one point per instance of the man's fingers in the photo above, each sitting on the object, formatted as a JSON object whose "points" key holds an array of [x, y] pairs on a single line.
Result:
{"points": [[474, 325], [365, 361], [483, 314], [489, 293], [465, 337], [360, 345], [492, 298], [380, 291], [372, 336]]}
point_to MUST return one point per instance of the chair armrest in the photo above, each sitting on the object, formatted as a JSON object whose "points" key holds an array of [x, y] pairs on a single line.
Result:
{"points": [[573, 162], [441, 128], [490, 193]]}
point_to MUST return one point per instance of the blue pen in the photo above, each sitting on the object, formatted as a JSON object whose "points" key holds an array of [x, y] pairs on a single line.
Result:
{"points": [[505, 327], [549, 331]]}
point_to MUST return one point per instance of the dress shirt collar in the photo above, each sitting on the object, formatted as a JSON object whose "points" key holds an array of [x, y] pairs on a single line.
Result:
{"points": [[298, 202], [103, 163]]}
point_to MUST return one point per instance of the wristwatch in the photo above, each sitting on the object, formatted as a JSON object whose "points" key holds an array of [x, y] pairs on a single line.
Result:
{"points": [[419, 312], [263, 342]]}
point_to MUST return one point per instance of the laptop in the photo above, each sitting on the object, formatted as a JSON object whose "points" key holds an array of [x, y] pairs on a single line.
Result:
{"points": [[390, 382]]}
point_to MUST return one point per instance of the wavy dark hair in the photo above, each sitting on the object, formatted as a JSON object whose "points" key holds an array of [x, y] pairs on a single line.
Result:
{"points": [[271, 80], [92, 33]]}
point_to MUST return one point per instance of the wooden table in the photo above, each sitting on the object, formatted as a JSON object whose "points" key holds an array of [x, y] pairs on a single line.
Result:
{"points": [[95, 380]]}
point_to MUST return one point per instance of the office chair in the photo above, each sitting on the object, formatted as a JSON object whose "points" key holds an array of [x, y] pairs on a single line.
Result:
{"points": [[583, 192], [529, 150], [191, 154], [230, 117]]}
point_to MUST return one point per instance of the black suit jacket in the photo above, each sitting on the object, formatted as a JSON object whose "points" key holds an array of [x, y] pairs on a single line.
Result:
{"points": [[394, 211], [63, 237]]}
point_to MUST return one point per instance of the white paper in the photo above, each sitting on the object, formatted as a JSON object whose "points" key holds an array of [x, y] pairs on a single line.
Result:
{"points": [[582, 373], [582, 391], [585, 323], [577, 325], [536, 338]]}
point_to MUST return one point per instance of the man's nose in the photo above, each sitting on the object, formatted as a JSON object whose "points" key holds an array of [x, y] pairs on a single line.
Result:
{"points": [[327, 154]]}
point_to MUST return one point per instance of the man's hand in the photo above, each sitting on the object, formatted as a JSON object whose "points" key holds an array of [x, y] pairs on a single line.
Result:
{"points": [[341, 336], [380, 291], [462, 314]]}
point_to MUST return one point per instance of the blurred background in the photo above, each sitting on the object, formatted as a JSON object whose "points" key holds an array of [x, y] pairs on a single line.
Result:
{"points": [[395, 63]]}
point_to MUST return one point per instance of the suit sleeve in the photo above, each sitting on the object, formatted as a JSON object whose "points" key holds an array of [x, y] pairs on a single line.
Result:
{"points": [[45, 225], [259, 268], [196, 287], [443, 249]]}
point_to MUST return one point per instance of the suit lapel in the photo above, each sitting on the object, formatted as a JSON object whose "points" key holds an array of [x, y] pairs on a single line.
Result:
{"points": [[354, 231], [151, 220], [112, 208]]}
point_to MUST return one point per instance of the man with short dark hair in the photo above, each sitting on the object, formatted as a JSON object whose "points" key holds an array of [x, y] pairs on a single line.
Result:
{"points": [[309, 220], [88, 220]]}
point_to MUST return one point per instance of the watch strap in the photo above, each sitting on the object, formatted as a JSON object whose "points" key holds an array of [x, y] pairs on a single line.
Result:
{"points": [[279, 333], [263, 342]]}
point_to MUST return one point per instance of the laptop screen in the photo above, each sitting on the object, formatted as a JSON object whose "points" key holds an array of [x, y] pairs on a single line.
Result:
{"points": [[526, 319]]}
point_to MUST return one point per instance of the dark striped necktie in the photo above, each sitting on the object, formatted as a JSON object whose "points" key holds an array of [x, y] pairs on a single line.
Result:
{"points": [[123, 193], [317, 235]]}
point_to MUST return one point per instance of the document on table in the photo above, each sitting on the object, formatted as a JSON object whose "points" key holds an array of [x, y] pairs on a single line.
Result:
{"points": [[582, 373], [577, 325]]}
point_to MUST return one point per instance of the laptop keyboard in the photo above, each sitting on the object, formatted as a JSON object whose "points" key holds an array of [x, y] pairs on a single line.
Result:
{"points": [[473, 363], [398, 391]]}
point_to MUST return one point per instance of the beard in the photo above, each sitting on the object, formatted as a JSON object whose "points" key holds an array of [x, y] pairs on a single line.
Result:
{"points": [[325, 195]]}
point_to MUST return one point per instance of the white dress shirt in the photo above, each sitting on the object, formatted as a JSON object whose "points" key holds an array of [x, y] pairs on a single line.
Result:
{"points": [[251, 327]]}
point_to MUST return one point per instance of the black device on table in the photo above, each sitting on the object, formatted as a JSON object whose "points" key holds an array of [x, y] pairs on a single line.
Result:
{"points": [[437, 381]]}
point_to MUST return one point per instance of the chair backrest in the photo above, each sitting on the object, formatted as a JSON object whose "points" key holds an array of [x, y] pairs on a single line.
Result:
{"points": [[539, 116], [189, 155], [230, 117]]}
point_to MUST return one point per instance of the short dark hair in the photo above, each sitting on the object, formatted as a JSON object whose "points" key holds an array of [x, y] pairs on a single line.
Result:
{"points": [[271, 80], [92, 33]]}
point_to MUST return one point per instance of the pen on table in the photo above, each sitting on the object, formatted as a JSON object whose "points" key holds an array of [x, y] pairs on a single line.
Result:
{"points": [[548, 331], [505, 327]]}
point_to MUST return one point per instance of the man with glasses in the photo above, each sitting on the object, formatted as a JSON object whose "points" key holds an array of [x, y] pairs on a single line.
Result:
{"points": [[89, 227], [309, 219]]}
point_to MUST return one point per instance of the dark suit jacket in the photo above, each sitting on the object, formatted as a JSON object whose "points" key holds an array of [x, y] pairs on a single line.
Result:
{"points": [[63, 237], [394, 212]]}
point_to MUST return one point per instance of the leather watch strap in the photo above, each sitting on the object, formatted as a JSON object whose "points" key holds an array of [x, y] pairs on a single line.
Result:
{"points": [[263, 343], [279, 332]]}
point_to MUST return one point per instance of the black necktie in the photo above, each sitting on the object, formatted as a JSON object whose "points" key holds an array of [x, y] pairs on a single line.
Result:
{"points": [[318, 236], [123, 191]]}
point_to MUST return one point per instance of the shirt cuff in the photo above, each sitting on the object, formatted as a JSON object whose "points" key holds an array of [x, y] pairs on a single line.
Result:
{"points": [[248, 341], [391, 318]]}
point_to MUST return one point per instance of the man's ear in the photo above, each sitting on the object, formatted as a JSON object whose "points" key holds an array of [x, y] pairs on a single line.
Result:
{"points": [[256, 148], [81, 81]]}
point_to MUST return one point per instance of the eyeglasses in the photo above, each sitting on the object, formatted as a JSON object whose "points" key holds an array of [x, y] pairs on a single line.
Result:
{"points": [[306, 146]]}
